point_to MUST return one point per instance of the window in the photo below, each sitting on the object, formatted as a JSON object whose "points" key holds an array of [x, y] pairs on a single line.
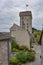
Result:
{"points": [[23, 25], [27, 30], [27, 26], [27, 23], [22, 22]]}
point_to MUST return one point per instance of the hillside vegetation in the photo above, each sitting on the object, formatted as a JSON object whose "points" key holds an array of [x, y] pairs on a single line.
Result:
{"points": [[36, 33]]}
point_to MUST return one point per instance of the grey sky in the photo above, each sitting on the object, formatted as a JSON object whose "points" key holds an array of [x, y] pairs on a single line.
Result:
{"points": [[9, 12]]}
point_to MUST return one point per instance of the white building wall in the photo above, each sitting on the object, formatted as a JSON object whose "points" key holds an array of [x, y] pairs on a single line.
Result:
{"points": [[22, 37]]}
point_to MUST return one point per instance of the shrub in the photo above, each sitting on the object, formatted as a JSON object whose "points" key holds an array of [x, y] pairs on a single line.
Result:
{"points": [[32, 51], [23, 48], [35, 35], [14, 50], [14, 61], [31, 56], [30, 43], [22, 56], [14, 45]]}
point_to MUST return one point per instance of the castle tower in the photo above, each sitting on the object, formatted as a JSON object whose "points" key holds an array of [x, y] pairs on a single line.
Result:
{"points": [[26, 20]]}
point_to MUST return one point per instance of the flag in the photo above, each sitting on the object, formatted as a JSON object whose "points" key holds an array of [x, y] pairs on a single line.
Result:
{"points": [[27, 5]]}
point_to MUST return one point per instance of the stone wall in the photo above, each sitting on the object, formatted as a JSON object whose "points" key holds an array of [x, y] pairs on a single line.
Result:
{"points": [[26, 20], [3, 53], [22, 37]]}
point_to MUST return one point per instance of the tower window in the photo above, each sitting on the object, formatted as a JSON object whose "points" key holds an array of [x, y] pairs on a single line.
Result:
{"points": [[27, 26], [23, 25], [27, 30], [22, 22], [27, 23]]}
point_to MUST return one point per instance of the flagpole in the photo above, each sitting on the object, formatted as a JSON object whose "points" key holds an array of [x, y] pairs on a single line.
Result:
{"points": [[27, 7]]}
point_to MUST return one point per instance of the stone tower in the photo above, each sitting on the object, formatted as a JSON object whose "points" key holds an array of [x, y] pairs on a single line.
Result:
{"points": [[26, 20]]}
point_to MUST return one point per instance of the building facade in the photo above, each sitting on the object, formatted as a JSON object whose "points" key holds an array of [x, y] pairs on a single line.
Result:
{"points": [[4, 48], [22, 32], [19, 33]]}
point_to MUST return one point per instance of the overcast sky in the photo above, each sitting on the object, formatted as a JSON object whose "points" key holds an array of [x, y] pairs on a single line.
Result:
{"points": [[9, 12]]}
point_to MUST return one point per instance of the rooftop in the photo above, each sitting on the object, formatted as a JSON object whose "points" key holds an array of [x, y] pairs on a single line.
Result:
{"points": [[4, 35], [25, 13]]}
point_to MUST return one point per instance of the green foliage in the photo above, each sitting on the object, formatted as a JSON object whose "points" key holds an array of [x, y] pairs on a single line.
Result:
{"points": [[22, 56], [23, 48], [31, 56], [32, 51], [32, 31], [14, 45], [30, 43], [14, 50], [35, 35], [14, 61]]}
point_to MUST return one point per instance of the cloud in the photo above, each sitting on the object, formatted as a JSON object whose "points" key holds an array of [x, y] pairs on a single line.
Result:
{"points": [[9, 12], [40, 15]]}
